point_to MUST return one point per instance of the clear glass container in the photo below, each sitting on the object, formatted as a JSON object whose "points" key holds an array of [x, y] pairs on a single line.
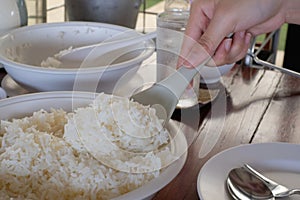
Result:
{"points": [[177, 5], [170, 32]]}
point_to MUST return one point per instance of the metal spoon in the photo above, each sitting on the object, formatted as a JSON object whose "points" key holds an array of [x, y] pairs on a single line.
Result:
{"points": [[277, 189], [67, 57], [243, 185], [164, 95], [234, 192]]}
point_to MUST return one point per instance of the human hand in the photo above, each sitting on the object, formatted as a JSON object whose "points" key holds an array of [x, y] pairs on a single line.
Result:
{"points": [[212, 20]]}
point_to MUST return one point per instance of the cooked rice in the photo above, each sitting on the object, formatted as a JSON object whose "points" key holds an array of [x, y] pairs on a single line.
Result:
{"points": [[87, 154]]}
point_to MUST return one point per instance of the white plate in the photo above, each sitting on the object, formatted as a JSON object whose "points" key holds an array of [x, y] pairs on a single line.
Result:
{"points": [[278, 161], [11, 87], [3, 94]]}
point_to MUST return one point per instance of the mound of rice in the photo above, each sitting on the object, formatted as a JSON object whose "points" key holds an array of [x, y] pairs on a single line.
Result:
{"points": [[101, 151]]}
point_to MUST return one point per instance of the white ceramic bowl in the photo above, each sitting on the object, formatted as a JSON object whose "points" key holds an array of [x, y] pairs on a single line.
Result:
{"points": [[22, 50], [13, 14], [210, 75], [25, 105]]}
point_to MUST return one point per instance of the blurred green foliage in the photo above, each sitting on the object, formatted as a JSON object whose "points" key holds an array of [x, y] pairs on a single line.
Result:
{"points": [[150, 3]]}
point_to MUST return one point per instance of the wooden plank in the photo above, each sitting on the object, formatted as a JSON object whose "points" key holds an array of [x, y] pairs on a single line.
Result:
{"points": [[248, 95], [281, 121]]}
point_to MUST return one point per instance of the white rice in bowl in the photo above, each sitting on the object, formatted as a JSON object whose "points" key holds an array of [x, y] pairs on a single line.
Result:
{"points": [[102, 151]]}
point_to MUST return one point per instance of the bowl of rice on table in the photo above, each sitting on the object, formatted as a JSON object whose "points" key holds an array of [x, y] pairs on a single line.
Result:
{"points": [[31, 56], [81, 145]]}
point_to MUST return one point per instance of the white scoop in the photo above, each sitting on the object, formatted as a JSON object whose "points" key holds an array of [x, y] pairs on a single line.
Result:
{"points": [[163, 96]]}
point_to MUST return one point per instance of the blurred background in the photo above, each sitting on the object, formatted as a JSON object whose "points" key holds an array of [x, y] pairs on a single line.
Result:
{"points": [[40, 11], [55, 11]]}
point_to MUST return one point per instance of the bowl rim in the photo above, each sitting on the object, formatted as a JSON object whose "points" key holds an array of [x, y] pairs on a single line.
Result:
{"points": [[148, 189], [146, 53]]}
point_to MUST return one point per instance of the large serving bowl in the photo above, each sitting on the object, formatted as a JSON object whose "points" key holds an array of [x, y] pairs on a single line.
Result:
{"points": [[25, 105], [211, 75], [22, 51]]}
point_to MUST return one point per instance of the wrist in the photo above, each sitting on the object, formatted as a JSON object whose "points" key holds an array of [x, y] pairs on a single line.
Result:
{"points": [[292, 11]]}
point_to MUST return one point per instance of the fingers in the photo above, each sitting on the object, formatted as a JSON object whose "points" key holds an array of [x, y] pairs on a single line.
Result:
{"points": [[198, 20], [196, 26], [197, 50], [222, 51], [232, 49], [195, 55], [229, 51], [212, 20]]}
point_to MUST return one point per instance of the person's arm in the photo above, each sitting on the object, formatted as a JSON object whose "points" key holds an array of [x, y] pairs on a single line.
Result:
{"points": [[292, 12], [212, 20]]}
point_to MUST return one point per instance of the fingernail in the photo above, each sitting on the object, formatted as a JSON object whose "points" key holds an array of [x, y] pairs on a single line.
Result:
{"points": [[248, 38], [227, 44]]}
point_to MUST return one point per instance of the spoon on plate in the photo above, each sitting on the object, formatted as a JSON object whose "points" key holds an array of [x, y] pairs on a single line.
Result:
{"points": [[279, 191], [243, 185]]}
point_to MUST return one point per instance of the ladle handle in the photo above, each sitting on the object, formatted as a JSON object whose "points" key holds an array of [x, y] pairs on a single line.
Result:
{"points": [[271, 66], [180, 79]]}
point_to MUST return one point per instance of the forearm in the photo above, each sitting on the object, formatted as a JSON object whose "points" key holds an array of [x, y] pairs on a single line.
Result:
{"points": [[292, 10]]}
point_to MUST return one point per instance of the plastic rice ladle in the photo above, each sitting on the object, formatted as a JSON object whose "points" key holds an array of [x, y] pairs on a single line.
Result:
{"points": [[163, 96]]}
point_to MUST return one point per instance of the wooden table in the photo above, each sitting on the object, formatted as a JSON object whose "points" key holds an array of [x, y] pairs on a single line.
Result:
{"points": [[260, 106]]}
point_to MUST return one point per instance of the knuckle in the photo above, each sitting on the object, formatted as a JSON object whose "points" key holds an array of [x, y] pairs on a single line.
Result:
{"points": [[207, 44]]}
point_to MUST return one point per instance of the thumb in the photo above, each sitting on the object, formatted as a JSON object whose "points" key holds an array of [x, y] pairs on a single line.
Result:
{"points": [[196, 54]]}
